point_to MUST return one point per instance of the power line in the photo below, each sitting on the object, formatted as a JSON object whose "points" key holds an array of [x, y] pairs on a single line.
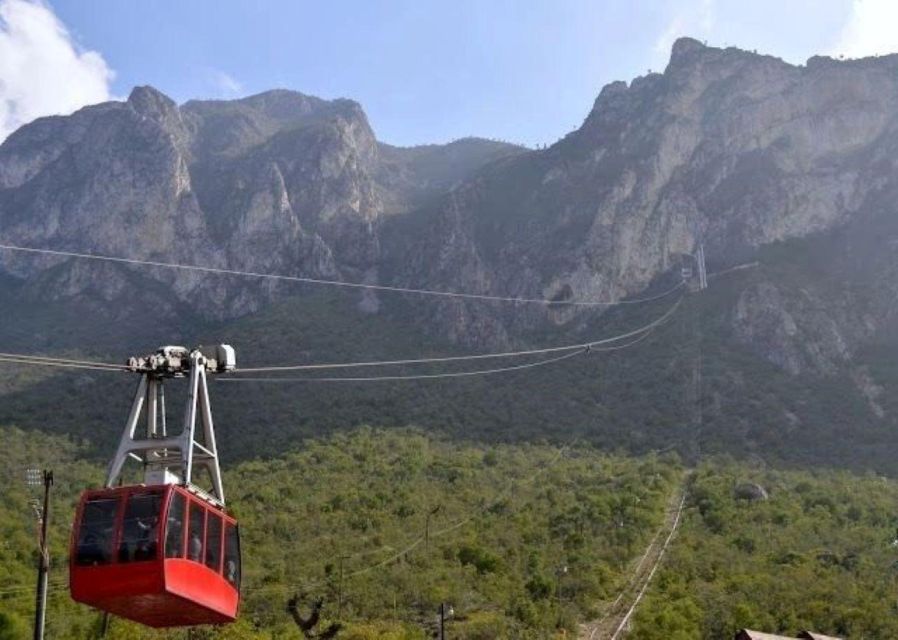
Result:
{"points": [[92, 363], [416, 542], [428, 376], [453, 374], [337, 283], [15, 358], [482, 356], [47, 363]]}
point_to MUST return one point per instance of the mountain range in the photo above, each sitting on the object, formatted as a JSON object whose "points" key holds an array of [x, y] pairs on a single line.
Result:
{"points": [[786, 175]]}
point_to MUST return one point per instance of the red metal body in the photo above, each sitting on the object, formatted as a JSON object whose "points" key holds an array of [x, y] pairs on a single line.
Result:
{"points": [[130, 555]]}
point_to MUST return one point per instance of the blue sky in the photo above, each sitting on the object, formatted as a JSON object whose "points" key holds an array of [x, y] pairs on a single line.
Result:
{"points": [[425, 71]]}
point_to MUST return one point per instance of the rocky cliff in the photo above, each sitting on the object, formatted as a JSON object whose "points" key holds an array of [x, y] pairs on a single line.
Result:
{"points": [[728, 148], [787, 175], [278, 182]]}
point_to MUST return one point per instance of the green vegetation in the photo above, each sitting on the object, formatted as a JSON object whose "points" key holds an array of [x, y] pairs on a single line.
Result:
{"points": [[820, 554], [639, 399], [510, 518]]}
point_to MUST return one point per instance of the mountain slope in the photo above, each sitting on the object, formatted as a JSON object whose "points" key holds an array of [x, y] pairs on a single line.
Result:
{"points": [[727, 148], [785, 174], [275, 182]]}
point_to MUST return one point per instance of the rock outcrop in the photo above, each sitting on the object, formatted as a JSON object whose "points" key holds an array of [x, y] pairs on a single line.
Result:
{"points": [[278, 182], [731, 149], [728, 148]]}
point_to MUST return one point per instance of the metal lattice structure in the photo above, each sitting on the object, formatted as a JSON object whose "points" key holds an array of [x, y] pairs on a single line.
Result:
{"points": [[174, 459]]}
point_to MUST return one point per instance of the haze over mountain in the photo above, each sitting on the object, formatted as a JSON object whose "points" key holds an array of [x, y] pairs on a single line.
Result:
{"points": [[788, 171]]}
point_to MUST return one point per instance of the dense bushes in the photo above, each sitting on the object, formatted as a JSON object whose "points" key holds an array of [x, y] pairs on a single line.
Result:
{"points": [[818, 554], [343, 518]]}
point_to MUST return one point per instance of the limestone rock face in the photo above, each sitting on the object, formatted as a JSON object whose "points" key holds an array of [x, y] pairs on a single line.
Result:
{"points": [[278, 182], [738, 151], [727, 148]]}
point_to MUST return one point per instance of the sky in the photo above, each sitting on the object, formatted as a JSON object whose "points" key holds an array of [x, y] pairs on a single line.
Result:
{"points": [[425, 71]]}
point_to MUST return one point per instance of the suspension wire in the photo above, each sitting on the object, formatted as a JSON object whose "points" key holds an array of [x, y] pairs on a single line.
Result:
{"points": [[92, 363], [418, 541], [61, 364], [482, 356], [14, 358], [430, 376], [472, 515], [338, 283], [453, 374], [27, 591]]}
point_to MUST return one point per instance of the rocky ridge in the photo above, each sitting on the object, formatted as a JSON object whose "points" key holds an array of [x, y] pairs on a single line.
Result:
{"points": [[732, 149], [278, 182]]}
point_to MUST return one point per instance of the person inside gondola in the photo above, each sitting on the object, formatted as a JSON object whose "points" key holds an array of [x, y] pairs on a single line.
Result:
{"points": [[91, 550], [195, 548], [146, 543], [96, 532]]}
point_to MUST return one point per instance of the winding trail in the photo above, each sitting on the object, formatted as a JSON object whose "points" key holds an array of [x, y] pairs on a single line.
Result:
{"points": [[613, 623]]}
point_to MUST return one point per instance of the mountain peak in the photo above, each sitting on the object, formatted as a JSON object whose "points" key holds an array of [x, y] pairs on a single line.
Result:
{"points": [[686, 46], [282, 103], [151, 102]]}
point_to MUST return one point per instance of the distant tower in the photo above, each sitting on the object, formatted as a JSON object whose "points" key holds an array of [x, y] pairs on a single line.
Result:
{"points": [[702, 272], [696, 277]]}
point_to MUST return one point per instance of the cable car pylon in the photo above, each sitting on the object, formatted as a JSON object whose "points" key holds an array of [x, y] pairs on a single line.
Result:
{"points": [[163, 552], [158, 451]]}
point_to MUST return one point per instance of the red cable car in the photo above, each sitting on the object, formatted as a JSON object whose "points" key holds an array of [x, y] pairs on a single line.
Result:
{"points": [[164, 553], [157, 555]]}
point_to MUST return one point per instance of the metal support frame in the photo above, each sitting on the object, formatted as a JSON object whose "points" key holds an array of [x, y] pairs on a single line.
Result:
{"points": [[696, 279], [702, 272], [181, 454]]}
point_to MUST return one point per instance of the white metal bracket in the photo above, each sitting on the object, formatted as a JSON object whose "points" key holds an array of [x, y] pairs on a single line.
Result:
{"points": [[175, 458]]}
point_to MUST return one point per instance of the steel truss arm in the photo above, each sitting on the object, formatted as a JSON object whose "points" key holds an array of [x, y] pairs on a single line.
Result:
{"points": [[171, 458]]}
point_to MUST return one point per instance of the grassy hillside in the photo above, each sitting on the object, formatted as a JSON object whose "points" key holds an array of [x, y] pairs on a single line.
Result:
{"points": [[510, 517], [639, 399], [820, 554]]}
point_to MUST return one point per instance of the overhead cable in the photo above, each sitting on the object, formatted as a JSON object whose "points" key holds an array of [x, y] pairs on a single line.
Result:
{"points": [[338, 283], [67, 365], [451, 374], [572, 349], [481, 356], [92, 363]]}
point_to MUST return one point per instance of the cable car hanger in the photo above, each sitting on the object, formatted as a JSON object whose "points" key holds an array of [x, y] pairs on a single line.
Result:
{"points": [[174, 459], [163, 552]]}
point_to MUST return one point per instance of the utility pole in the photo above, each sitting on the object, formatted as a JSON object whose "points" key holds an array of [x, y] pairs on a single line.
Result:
{"points": [[446, 611], [694, 396], [43, 565]]}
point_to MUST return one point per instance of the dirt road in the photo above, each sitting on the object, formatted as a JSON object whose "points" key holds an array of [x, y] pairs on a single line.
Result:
{"points": [[615, 619]]}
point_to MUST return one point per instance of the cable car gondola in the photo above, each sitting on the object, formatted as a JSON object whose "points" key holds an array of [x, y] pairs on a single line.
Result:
{"points": [[165, 552]]}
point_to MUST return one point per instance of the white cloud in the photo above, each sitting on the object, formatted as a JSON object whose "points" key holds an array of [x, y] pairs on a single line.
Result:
{"points": [[872, 29], [226, 85], [694, 19], [42, 70]]}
